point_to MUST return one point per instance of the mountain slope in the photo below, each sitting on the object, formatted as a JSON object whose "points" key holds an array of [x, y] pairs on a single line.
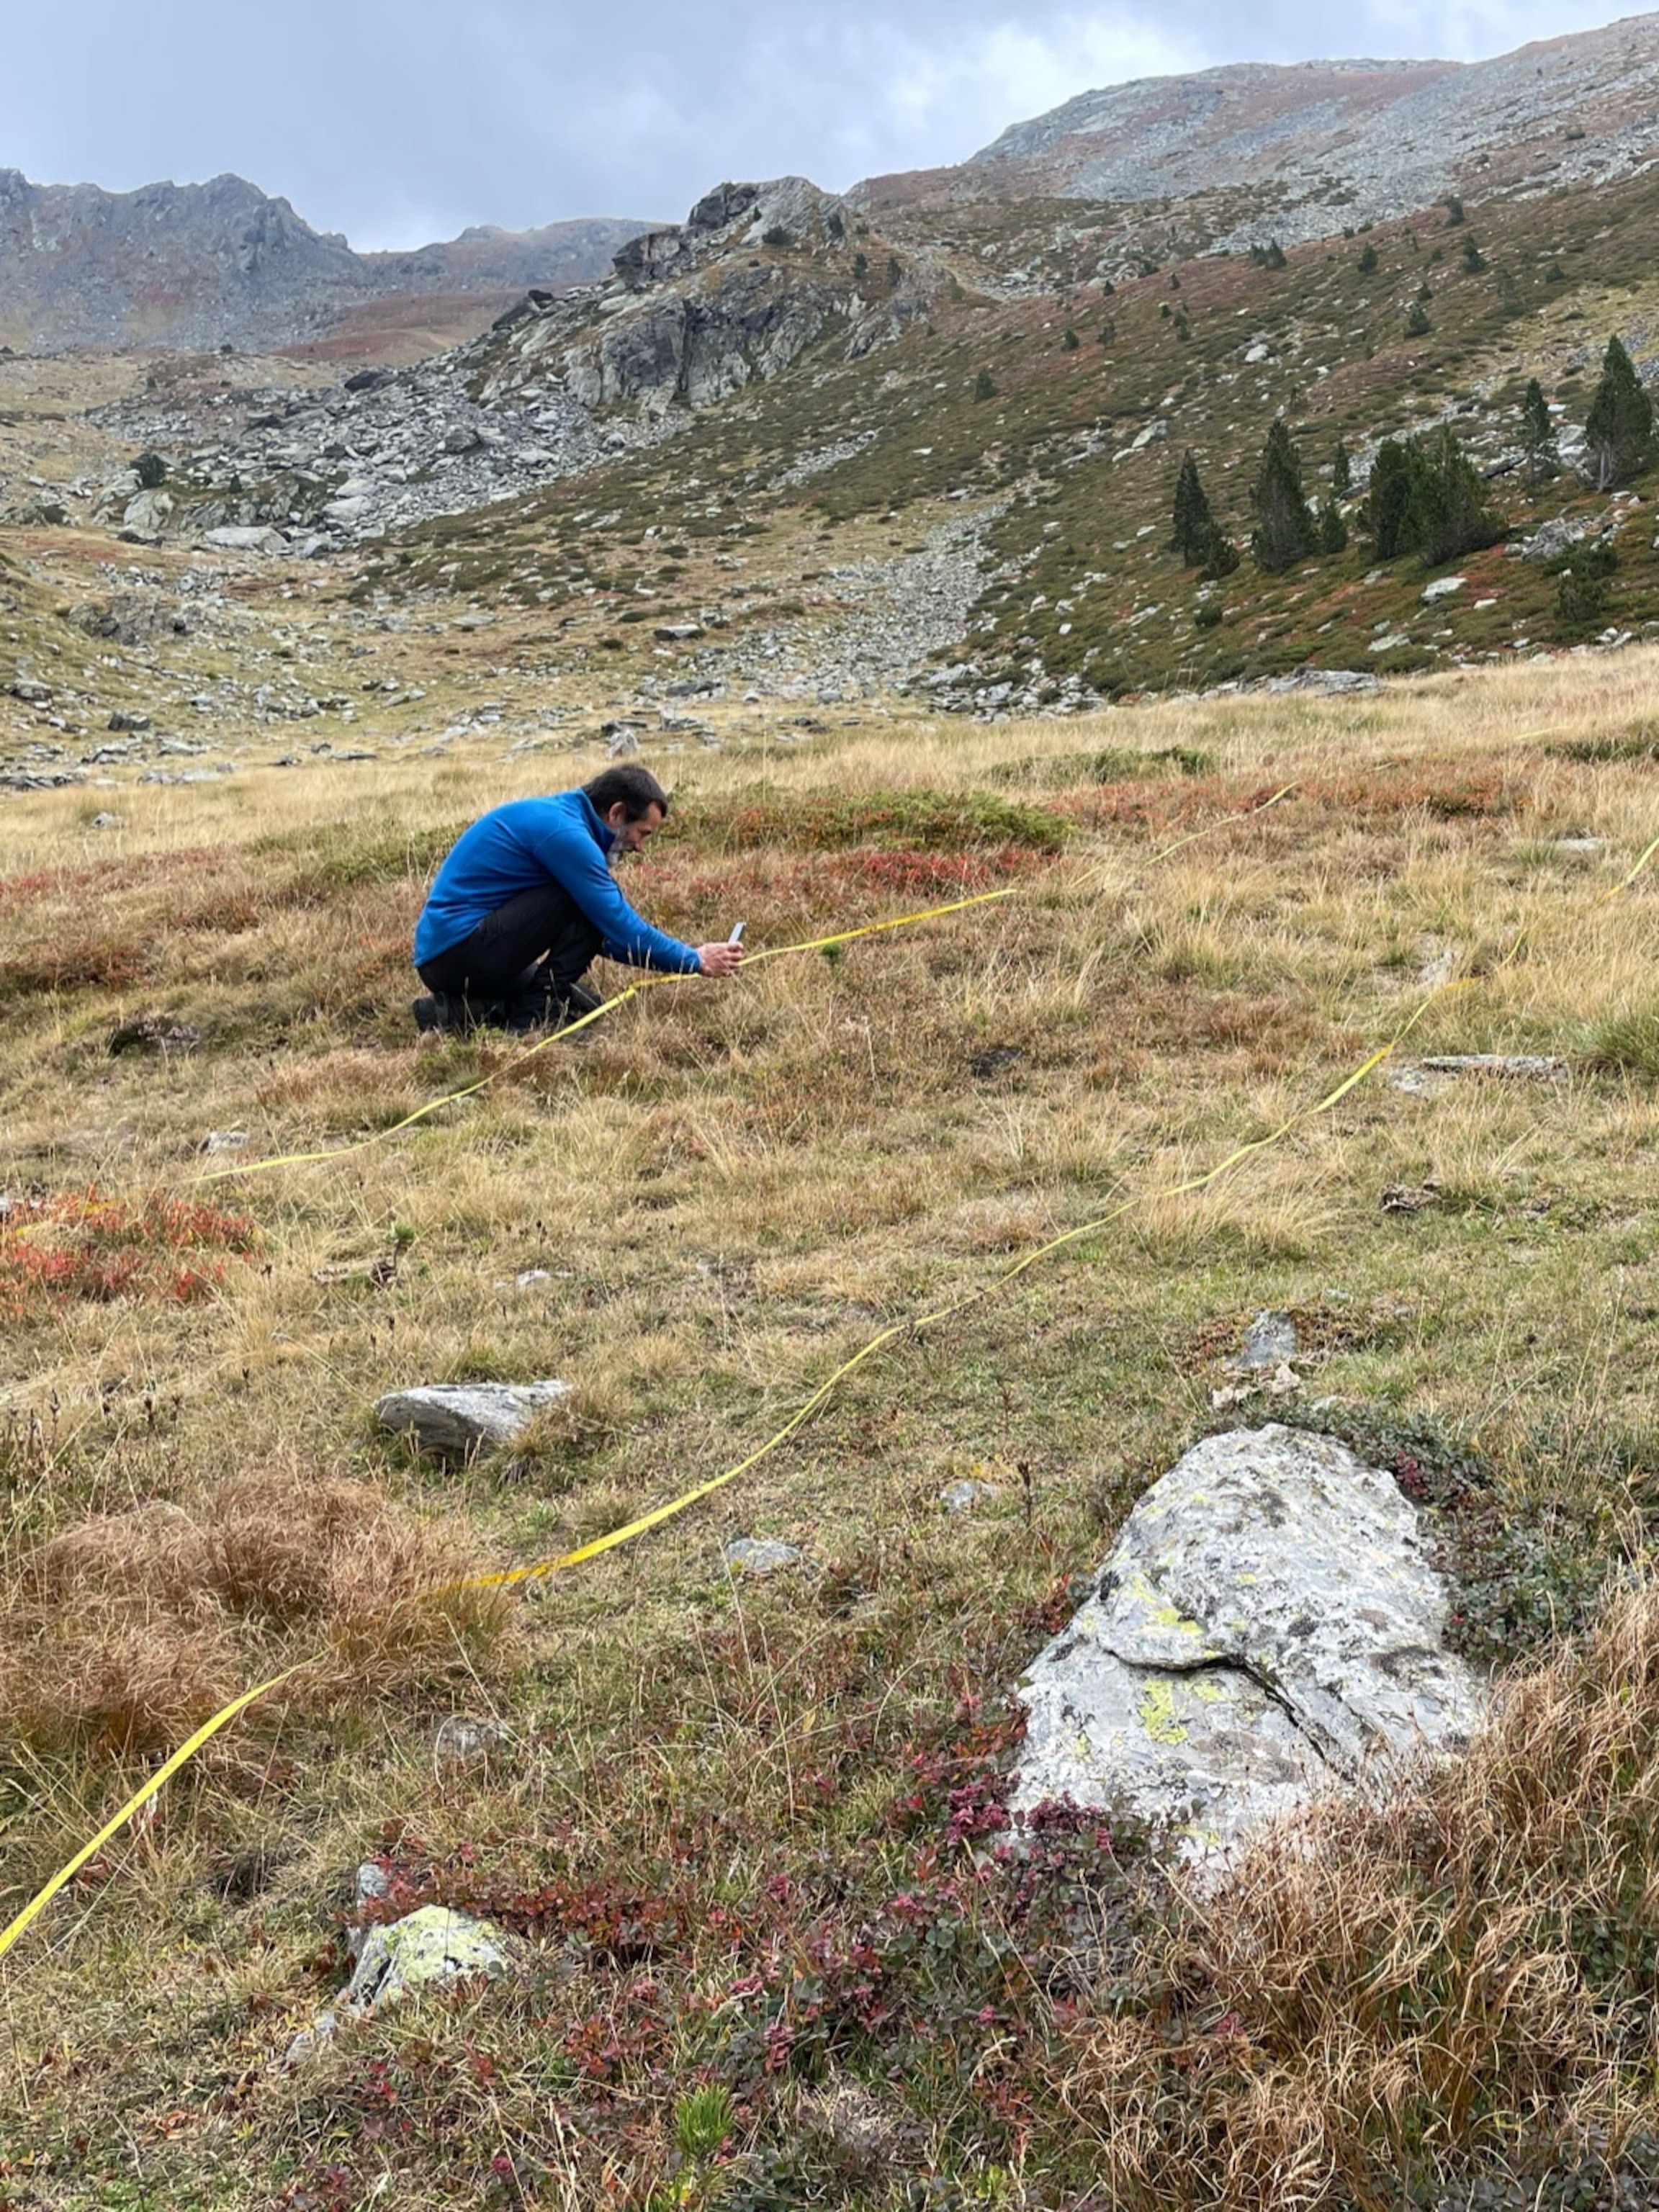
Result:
{"points": [[1322, 143], [222, 262]]}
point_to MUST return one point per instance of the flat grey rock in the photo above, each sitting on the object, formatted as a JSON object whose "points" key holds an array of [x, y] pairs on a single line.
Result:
{"points": [[1267, 1626], [760, 1555], [457, 1417], [427, 1949], [1270, 1338], [244, 538], [460, 1738], [1523, 1066]]}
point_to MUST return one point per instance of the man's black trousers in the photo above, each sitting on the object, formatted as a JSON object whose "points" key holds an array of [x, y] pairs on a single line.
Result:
{"points": [[531, 952]]}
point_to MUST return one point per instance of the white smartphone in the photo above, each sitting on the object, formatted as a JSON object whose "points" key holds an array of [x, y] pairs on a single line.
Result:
{"points": [[736, 937]]}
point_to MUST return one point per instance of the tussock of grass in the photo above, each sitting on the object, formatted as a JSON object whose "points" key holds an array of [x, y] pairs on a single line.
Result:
{"points": [[1627, 1038], [128, 1630], [1453, 1980]]}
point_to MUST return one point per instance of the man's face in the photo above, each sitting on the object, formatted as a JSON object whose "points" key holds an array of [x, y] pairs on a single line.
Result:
{"points": [[631, 836]]}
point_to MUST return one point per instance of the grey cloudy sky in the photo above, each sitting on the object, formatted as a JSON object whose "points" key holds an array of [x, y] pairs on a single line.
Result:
{"points": [[398, 121]]}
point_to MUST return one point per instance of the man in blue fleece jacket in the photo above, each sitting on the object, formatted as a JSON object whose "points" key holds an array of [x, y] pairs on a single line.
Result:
{"points": [[526, 898]]}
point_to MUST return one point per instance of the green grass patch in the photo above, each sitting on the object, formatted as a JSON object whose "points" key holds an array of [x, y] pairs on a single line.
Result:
{"points": [[828, 821]]}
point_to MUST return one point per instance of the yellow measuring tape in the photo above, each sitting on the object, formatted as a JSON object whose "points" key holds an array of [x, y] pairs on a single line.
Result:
{"points": [[135, 1804]]}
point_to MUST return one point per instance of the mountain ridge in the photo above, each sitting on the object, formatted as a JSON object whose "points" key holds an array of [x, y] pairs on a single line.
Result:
{"points": [[221, 262], [1327, 143]]}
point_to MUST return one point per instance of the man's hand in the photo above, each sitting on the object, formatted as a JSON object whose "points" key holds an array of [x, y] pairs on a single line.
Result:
{"points": [[719, 959]]}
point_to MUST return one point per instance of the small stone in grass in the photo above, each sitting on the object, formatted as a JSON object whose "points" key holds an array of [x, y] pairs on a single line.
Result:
{"points": [[457, 1417], [760, 1555], [963, 1496]]}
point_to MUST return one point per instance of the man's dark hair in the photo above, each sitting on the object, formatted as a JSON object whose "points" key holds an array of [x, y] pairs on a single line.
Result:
{"points": [[637, 788]]}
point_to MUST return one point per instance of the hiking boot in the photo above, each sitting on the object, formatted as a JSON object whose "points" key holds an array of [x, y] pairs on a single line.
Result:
{"points": [[549, 1010], [438, 1013]]}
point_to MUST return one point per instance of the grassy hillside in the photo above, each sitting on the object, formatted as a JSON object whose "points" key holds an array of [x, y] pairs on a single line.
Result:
{"points": [[1058, 403], [778, 1949]]}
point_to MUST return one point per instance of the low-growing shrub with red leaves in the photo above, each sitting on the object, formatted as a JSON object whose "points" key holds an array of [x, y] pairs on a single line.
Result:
{"points": [[934, 1957], [83, 1246], [90, 963], [794, 898]]}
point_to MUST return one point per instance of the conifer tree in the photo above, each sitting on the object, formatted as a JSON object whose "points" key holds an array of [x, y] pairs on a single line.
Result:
{"points": [[1367, 264], [1538, 434], [1619, 424], [1194, 524], [1388, 504], [1341, 470], [1286, 532], [1333, 531], [1428, 497], [1448, 514]]}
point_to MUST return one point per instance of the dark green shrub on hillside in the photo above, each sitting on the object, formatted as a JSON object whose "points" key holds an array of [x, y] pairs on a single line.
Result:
{"points": [[1286, 532], [1418, 324], [151, 472], [1454, 209], [1341, 470], [1368, 261], [1474, 259], [1581, 602], [860, 266], [1619, 424], [776, 236], [1070, 343], [1207, 615], [1332, 530], [985, 385]]}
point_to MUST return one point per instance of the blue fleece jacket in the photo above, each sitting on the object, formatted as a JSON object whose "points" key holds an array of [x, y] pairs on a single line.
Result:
{"points": [[514, 848]]}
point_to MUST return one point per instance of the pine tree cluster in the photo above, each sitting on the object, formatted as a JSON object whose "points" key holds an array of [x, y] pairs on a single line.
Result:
{"points": [[1426, 496]]}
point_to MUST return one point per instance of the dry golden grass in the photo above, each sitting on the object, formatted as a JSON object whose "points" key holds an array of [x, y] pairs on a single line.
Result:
{"points": [[128, 1630], [721, 1194]]}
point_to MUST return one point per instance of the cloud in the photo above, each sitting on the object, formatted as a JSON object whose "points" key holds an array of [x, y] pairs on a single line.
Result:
{"points": [[401, 120]]}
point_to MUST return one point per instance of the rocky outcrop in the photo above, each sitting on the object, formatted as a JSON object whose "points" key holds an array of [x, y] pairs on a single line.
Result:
{"points": [[754, 279], [756, 276], [1267, 1627]]}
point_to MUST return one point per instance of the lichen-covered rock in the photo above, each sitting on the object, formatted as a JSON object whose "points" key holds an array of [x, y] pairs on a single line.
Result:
{"points": [[425, 1950], [1267, 1625], [456, 1418]]}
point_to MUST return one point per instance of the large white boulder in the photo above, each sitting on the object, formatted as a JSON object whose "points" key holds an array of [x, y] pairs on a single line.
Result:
{"points": [[1267, 1626]]}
